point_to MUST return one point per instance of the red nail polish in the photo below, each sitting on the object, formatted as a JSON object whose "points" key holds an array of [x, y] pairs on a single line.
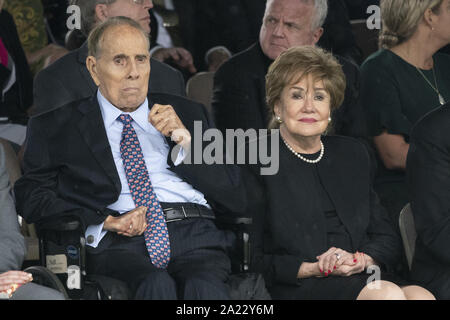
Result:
{"points": [[334, 267], [321, 271], [329, 271], [354, 260], [326, 274]]}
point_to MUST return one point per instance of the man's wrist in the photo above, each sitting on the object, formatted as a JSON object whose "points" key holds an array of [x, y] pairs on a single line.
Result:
{"points": [[109, 223]]}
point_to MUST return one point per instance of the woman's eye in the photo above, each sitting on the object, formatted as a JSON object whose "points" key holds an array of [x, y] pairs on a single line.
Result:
{"points": [[319, 97], [297, 96]]}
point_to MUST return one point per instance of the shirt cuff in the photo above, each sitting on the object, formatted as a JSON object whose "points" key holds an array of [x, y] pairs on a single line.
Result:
{"points": [[94, 234], [180, 158]]}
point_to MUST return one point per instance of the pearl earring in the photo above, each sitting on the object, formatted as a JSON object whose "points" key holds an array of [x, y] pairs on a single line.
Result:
{"points": [[279, 119], [329, 119]]}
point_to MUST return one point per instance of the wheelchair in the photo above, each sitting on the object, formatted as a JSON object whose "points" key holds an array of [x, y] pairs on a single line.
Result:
{"points": [[62, 250]]}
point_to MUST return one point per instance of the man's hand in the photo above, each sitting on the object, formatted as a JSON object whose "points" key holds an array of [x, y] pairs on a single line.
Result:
{"points": [[130, 224], [180, 56], [166, 121], [11, 280]]}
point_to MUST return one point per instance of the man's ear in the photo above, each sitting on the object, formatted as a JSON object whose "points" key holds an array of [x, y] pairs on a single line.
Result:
{"points": [[317, 34], [101, 12], [91, 64]]}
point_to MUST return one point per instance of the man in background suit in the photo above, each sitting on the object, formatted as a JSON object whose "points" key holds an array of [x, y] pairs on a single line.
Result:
{"points": [[13, 249], [239, 84], [225, 27], [75, 165], [68, 79]]}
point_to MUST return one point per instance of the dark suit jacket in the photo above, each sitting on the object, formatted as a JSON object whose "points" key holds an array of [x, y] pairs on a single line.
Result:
{"points": [[19, 98], [234, 24], [68, 80], [240, 93], [338, 35], [428, 178], [289, 225], [69, 169]]}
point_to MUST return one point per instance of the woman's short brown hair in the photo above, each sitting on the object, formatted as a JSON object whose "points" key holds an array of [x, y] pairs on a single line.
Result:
{"points": [[298, 62]]}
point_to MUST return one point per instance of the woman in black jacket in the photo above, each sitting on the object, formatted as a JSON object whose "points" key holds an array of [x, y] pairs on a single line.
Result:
{"points": [[428, 177], [321, 225]]}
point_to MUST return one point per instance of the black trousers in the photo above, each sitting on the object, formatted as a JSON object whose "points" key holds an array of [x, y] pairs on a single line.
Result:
{"points": [[198, 269]]}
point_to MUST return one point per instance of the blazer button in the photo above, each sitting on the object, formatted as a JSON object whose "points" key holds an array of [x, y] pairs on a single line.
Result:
{"points": [[90, 239]]}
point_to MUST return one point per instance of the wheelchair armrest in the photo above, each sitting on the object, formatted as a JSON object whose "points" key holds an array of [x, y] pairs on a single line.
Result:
{"points": [[43, 276], [232, 219], [64, 224]]}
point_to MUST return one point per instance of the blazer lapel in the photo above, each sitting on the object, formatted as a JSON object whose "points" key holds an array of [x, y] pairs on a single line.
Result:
{"points": [[93, 131], [333, 175]]}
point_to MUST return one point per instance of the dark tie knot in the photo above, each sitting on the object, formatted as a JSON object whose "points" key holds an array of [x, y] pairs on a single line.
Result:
{"points": [[125, 118]]}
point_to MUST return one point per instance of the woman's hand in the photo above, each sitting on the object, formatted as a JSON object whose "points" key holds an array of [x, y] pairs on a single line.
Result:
{"points": [[369, 260], [332, 259], [11, 280], [351, 265]]}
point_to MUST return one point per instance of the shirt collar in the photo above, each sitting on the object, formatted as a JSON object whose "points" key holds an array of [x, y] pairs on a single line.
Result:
{"points": [[110, 113]]}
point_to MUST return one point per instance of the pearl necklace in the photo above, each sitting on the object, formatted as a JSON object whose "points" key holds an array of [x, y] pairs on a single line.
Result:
{"points": [[322, 151]]}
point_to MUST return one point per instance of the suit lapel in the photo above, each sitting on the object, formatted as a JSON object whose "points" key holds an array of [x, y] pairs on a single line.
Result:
{"points": [[93, 131]]}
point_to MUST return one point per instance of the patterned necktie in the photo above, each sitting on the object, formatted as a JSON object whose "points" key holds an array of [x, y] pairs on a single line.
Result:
{"points": [[156, 235]]}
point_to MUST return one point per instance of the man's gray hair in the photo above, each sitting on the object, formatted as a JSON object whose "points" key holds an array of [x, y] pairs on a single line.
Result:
{"points": [[87, 10], [96, 35], [320, 9]]}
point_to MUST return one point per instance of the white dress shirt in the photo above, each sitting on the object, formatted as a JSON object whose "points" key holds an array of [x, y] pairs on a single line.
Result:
{"points": [[166, 184]]}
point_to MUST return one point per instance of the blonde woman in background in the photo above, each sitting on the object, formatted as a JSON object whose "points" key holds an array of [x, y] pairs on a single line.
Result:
{"points": [[402, 82]]}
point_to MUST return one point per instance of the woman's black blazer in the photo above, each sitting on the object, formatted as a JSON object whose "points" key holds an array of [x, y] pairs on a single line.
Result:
{"points": [[289, 224]]}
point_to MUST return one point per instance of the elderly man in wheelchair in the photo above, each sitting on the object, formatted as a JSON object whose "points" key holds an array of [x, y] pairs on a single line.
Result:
{"points": [[108, 186]]}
